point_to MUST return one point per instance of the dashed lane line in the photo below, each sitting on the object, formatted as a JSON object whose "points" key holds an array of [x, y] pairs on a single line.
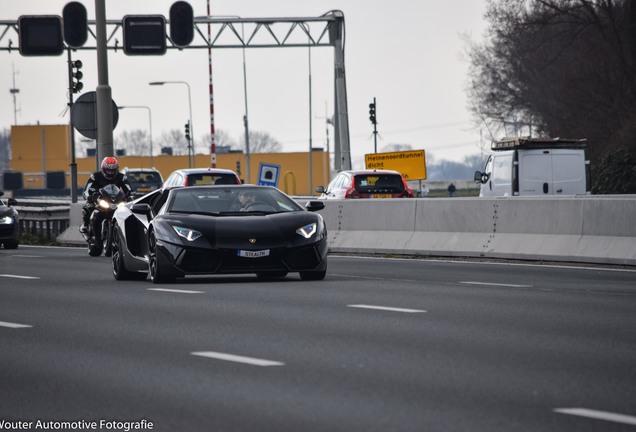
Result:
{"points": [[176, 291], [599, 415], [14, 325], [237, 358], [18, 276], [385, 308], [495, 284]]}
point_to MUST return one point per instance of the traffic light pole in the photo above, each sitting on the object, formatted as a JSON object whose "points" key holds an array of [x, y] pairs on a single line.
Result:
{"points": [[105, 145], [73, 164], [374, 121]]}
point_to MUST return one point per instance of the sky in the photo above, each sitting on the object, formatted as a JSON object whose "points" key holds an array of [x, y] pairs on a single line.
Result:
{"points": [[408, 55]]}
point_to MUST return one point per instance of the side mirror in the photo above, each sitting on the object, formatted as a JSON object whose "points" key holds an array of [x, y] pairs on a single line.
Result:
{"points": [[320, 189], [143, 209], [481, 177], [313, 206]]}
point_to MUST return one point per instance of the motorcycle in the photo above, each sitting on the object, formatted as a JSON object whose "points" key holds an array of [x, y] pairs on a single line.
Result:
{"points": [[99, 236]]}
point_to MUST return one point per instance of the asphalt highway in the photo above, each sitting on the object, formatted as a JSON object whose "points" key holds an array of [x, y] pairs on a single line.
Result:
{"points": [[380, 345]]}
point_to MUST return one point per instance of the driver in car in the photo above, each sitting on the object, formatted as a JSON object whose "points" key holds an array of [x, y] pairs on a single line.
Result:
{"points": [[244, 200]]}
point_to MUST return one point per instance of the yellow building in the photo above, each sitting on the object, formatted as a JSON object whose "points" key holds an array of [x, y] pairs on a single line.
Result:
{"points": [[36, 150]]}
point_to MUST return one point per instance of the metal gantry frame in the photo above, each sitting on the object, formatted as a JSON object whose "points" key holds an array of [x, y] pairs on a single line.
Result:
{"points": [[327, 30]]}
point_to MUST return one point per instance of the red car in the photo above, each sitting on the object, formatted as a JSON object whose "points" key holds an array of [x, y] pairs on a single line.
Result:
{"points": [[366, 184]]}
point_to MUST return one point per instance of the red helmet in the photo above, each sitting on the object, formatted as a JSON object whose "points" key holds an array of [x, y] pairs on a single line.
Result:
{"points": [[110, 167]]}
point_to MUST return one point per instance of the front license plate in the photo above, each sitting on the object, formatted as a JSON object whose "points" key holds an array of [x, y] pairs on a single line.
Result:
{"points": [[253, 254], [380, 195]]}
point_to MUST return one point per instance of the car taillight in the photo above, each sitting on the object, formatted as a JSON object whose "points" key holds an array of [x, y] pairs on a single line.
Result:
{"points": [[352, 192], [186, 181], [408, 192]]}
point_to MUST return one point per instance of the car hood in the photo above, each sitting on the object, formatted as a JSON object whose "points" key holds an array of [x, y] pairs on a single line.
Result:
{"points": [[247, 232]]}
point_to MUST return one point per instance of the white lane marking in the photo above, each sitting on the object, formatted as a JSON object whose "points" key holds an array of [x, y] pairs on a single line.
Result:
{"points": [[18, 276], [600, 415], [28, 256], [385, 308], [237, 358], [496, 284], [176, 291], [13, 325]]}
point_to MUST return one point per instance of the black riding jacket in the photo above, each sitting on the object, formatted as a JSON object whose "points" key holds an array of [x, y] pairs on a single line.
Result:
{"points": [[97, 181]]}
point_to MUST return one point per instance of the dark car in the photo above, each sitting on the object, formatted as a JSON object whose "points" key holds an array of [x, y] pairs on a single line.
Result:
{"points": [[201, 177], [9, 223], [233, 229], [366, 184], [143, 180]]}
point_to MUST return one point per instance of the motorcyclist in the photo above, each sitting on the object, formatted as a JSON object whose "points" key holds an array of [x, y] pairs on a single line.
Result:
{"points": [[108, 174]]}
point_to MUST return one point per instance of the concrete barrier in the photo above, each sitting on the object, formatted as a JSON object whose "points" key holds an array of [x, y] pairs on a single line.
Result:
{"points": [[587, 229], [577, 229]]}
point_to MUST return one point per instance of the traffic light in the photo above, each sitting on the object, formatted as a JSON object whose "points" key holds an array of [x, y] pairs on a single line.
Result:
{"points": [[144, 34], [238, 167], [40, 35], [372, 112], [75, 24], [77, 76], [187, 131], [181, 23]]}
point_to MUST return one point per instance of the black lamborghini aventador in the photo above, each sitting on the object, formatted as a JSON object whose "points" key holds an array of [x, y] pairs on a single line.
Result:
{"points": [[231, 229]]}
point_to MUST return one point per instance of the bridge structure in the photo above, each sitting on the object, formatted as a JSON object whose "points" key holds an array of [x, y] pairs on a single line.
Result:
{"points": [[210, 32]]}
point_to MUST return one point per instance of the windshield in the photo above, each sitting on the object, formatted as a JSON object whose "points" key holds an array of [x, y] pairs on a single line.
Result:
{"points": [[231, 200]]}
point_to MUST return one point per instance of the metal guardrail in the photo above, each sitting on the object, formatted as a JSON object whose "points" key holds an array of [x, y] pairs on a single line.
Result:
{"points": [[45, 220]]}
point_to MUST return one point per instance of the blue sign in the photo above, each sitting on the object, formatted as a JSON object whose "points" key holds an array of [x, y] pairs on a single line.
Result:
{"points": [[268, 174]]}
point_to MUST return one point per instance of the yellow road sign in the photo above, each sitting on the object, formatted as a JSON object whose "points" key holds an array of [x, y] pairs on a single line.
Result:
{"points": [[411, 164]]}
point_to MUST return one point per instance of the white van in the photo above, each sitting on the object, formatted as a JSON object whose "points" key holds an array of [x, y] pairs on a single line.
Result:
{"points": [[535, 166]]}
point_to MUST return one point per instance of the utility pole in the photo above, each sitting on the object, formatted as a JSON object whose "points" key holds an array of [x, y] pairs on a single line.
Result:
{"points": [[14, 91]]}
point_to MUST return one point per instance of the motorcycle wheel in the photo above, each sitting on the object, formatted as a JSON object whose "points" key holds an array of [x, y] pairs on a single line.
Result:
{"points": [[94, 248], [119, 266], [107, 238], [156, 274]]}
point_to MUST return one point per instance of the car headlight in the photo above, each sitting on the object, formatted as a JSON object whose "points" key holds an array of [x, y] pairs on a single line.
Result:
{"points": [[187, 233], [307, 231], [6, 220]]}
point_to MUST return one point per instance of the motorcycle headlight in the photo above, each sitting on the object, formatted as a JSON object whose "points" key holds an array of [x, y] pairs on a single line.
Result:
{"points": [[307, 231], [187, 233], [103, 204], [6, 220]]}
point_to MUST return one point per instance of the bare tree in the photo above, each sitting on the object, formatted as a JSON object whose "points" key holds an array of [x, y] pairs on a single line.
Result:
{"points": [[221, 138], [174, 139], [558, 67], [136, 142], [262, 142]]}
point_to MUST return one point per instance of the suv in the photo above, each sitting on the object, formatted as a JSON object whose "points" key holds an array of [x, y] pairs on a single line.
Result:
{"points": [[201, 176], [143, 180], [366, 184]]}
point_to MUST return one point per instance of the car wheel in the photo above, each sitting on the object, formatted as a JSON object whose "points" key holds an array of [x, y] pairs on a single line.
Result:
{"points": [[156, 274], [11, 244], [119, 267], [313, 275]]}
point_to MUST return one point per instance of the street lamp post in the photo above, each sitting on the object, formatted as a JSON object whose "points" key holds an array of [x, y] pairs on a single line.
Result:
{"points": [[190, 149], [152, 163]]}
